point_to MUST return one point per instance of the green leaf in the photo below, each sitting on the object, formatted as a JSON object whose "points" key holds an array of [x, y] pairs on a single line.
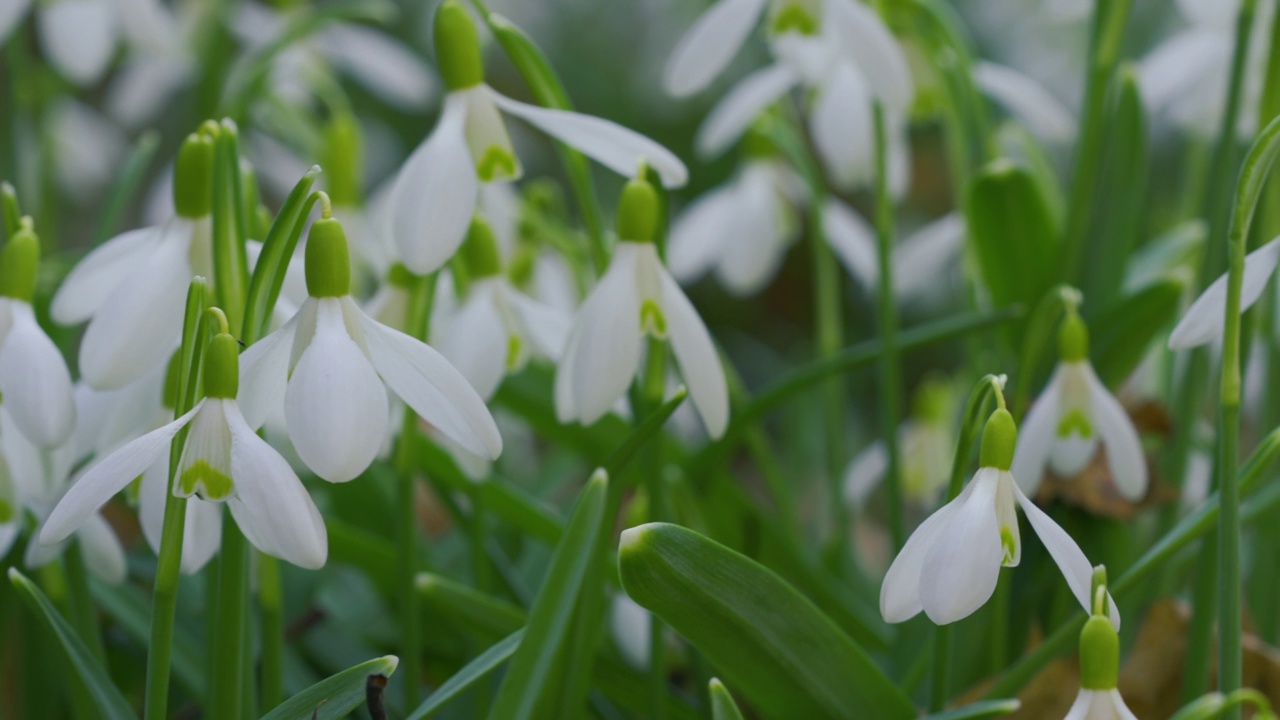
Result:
{"points": [[465, 603], [110, 703], [626, 452], [722, 705], [787, 657], [131, 609], [549, 619], [1122, 334], [269, 272], [334, 697], [1013, 234], [472, 673], [984, 709], [229, 228]]}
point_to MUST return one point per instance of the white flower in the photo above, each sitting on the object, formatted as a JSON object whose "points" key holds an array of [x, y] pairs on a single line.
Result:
{"points": [[1099, 705], [103, 554], [327, 366], [1042, 113], [1066, 424], [435, 193], [926, 449], [1203, 321]]}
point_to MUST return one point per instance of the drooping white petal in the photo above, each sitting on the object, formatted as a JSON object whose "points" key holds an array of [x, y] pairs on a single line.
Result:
{"points": [[436, 391], [547, 328], [34, 379], [707, 47], [1044, 115], [108, 477], [139, 89], [1071, 453], [474, 339], [853, 240], [270, 504], [435, 194], [842, 127], [757, 235], [86, 288], [488, 140], [740, 107], [603, 352], [900, 597], [201, 535], [1036, 437], [922, 259], [87, 148], [864, 473], [264, 370], [858, 31], [389, 69], [629, 624], [1203, 321], [961, 569], [695, 353], [1066, 553], [1219, 14], [11, 13], [149, 26], [335, 405], [78, 36], [8, 532], [1115, 430], [141, 321], [1082, 708], [1179, 66], [102, 552], [618, 148], [698, 236]]}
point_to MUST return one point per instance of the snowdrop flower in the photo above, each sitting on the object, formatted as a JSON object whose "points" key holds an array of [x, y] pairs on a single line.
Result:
{"points": [[1099, 668], [1202, 322], [330, 367], [922, 259], [1186, 75], [223, 460], [435, 192], [839, 49], [1072, 417], [10, 508], [1043, 114], [927, 444], [950, 564], [495, 328], [34, 380], [131, 288], [636, 298]]}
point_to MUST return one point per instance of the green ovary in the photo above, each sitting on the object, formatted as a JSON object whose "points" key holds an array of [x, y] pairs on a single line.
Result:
{"points": [[496, 164], [652, 321], [1075, 422], [216, 484]]}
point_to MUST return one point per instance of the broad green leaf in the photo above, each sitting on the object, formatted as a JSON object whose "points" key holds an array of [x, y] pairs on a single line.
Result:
{"points": [[768, 640], [452, 598], [110, 703], [549, 619], [722, 705], [1121, 335], [473, 672], [334, 697], [277, 247], [1013, 234], [984, 709]]}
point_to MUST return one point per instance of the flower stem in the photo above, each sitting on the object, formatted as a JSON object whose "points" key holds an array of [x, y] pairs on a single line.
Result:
{"points": [[80, 603], [270, 603], [227, 688], [652, 392], [890, 380]]}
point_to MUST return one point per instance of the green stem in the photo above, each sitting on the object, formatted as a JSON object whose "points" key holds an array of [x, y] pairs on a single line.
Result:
{"points": [[80, 603], [890, 382], [652, 391], [227, 687], [1204, 607], [271, 607]]}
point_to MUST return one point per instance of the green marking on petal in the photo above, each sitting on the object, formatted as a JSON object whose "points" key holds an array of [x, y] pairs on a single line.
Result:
{"points": [[514, 347], [1009, 544], [497, 163], [794, 18], [652, 321], [211, 483], [1075, 422]]}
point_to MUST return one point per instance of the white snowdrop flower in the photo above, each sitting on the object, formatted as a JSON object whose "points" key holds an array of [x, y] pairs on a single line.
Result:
{"points": [[100, 547], [1043, 114], [1202, 322], [1185, 76], [435, 192], [950, 564], [1099, 705], [636, 298], [330, 367], [131, 289], [34, 380], [1099, 667], [1072, 417], [496, 328], [927, 444], [223, 460], [88, 148]]}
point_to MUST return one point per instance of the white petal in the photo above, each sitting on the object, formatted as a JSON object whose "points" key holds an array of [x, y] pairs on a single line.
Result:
{"points": [[1043, 114], [864, 472], [141, 87], [961, 569], [152, 492], [101, 550], [335, 405], [1071, 454], [1115, 430], [1083, 705], [547, 328], [87, 287], [603, 353], [264, 371], [858, 31], [435, 390], [757, 235], [474, 340], [740, 107], [853, 240], [699, 235], [618, 148], [149, 26], [201, 534], [108, 477], [270, 504], [842, 127], [900, 591], [1066, 553], [706, 48], [1036, 438], [389, 69], [34, 380], [8, 532], [629, 624], [923, 258], [696, 354], [40, 554], [78, 36], [11, 13], [1117, 707], [1203, 320], [435, 194]]}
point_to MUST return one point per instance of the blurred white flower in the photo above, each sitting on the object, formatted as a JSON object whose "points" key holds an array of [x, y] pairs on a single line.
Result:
{"points": [[1203, 321], [1043, 114], [1099, 705], [922, 260]]}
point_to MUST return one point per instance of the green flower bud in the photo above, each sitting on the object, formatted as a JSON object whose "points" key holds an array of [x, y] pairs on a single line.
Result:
{"points": [[480, 251], [328, 260], [341, 159], [1099, 654], [1073, 339], [222, 367], [458, 47], [638, 212], [193, 177], [19, 262], [999, 438]]}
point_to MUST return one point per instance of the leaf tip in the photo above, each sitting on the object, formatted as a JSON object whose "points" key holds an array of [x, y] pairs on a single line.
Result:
{"points": [[392, 662]]}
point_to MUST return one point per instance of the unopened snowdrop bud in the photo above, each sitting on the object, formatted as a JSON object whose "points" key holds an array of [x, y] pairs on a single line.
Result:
{"points": [[999, 438], [193, 177], [19, 262], [638, 212], [328, 260], [458, 51], [222, 367], [480, 251]]}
